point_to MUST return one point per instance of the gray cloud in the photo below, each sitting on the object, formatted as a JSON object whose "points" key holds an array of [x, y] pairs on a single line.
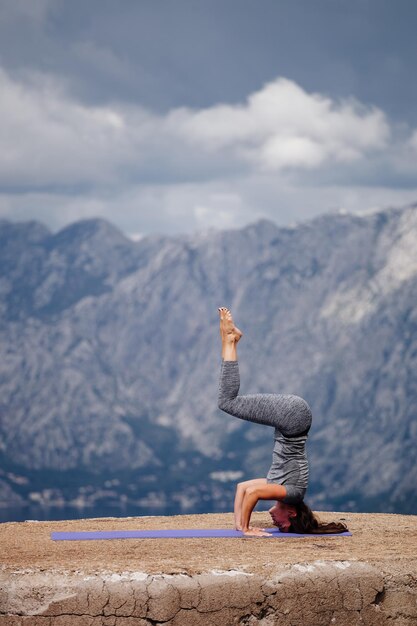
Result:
{"points": [[197, 53], [177, 116], [33, 12]]}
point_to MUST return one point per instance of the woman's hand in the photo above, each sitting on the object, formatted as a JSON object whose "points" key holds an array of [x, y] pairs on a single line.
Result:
{"points": [[256, 532]]}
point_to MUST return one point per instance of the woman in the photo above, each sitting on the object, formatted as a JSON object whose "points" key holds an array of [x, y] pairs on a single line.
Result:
{"points": [[287, 478]]}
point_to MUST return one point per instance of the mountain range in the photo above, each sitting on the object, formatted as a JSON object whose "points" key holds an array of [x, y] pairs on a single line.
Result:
{"points": [[110, 355]]}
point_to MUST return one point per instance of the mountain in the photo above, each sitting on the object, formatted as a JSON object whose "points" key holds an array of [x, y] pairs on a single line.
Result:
{"points": [[110, 357]]}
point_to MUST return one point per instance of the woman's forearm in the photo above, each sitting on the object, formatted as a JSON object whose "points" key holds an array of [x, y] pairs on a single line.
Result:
{"points": [[249, 502], [240, 494]]}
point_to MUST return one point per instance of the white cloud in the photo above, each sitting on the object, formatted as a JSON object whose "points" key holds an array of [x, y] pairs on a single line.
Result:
{"points": [[49, 139], [279, 152], [284, 126], [271, 156]]}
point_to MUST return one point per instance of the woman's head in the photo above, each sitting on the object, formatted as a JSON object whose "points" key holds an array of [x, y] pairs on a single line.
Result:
{"points": [[282, 515], [299, 518]]}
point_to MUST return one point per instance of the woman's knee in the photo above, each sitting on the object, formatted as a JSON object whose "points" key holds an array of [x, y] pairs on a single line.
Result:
{"points": [[301, 416], [221, 404], [225, 404]]}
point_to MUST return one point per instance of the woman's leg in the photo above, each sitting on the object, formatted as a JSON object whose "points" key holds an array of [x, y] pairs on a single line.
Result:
{"points": [[239, 496], [289, 413], [229, 334]]}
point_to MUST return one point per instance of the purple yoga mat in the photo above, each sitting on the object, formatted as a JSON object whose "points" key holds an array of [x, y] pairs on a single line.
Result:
{"points": [[172, 534]]}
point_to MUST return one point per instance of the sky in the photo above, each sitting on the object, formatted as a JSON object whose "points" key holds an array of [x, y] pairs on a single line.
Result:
{"points": [[177, 116]]}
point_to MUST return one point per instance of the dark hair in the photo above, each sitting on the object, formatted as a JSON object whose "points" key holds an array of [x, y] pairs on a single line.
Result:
{"points": [[306, 522]]}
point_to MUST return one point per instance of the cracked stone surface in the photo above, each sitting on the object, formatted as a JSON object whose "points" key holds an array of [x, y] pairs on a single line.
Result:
{"points": [[367, 579]]}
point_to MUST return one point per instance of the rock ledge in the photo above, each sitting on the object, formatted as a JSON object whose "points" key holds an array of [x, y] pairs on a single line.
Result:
{"points": [[369, 578]]}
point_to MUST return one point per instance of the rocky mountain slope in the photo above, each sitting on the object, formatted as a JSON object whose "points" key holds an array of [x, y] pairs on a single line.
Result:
{"points": [[110, 358]]}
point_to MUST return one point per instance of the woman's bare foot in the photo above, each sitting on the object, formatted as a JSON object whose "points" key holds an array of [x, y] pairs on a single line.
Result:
{"points": [[228, 331]]}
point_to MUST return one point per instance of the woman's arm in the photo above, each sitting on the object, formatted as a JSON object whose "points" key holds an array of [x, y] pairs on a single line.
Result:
{"points": [[249, 502], [239, 496], [269, 491]]}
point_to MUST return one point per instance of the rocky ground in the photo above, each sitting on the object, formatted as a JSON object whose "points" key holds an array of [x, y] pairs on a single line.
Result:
{"points": [[368, 578], [378, 538]]}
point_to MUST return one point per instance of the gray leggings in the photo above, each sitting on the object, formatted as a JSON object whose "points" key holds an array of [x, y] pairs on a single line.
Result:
{"points": [[290, 414]]}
